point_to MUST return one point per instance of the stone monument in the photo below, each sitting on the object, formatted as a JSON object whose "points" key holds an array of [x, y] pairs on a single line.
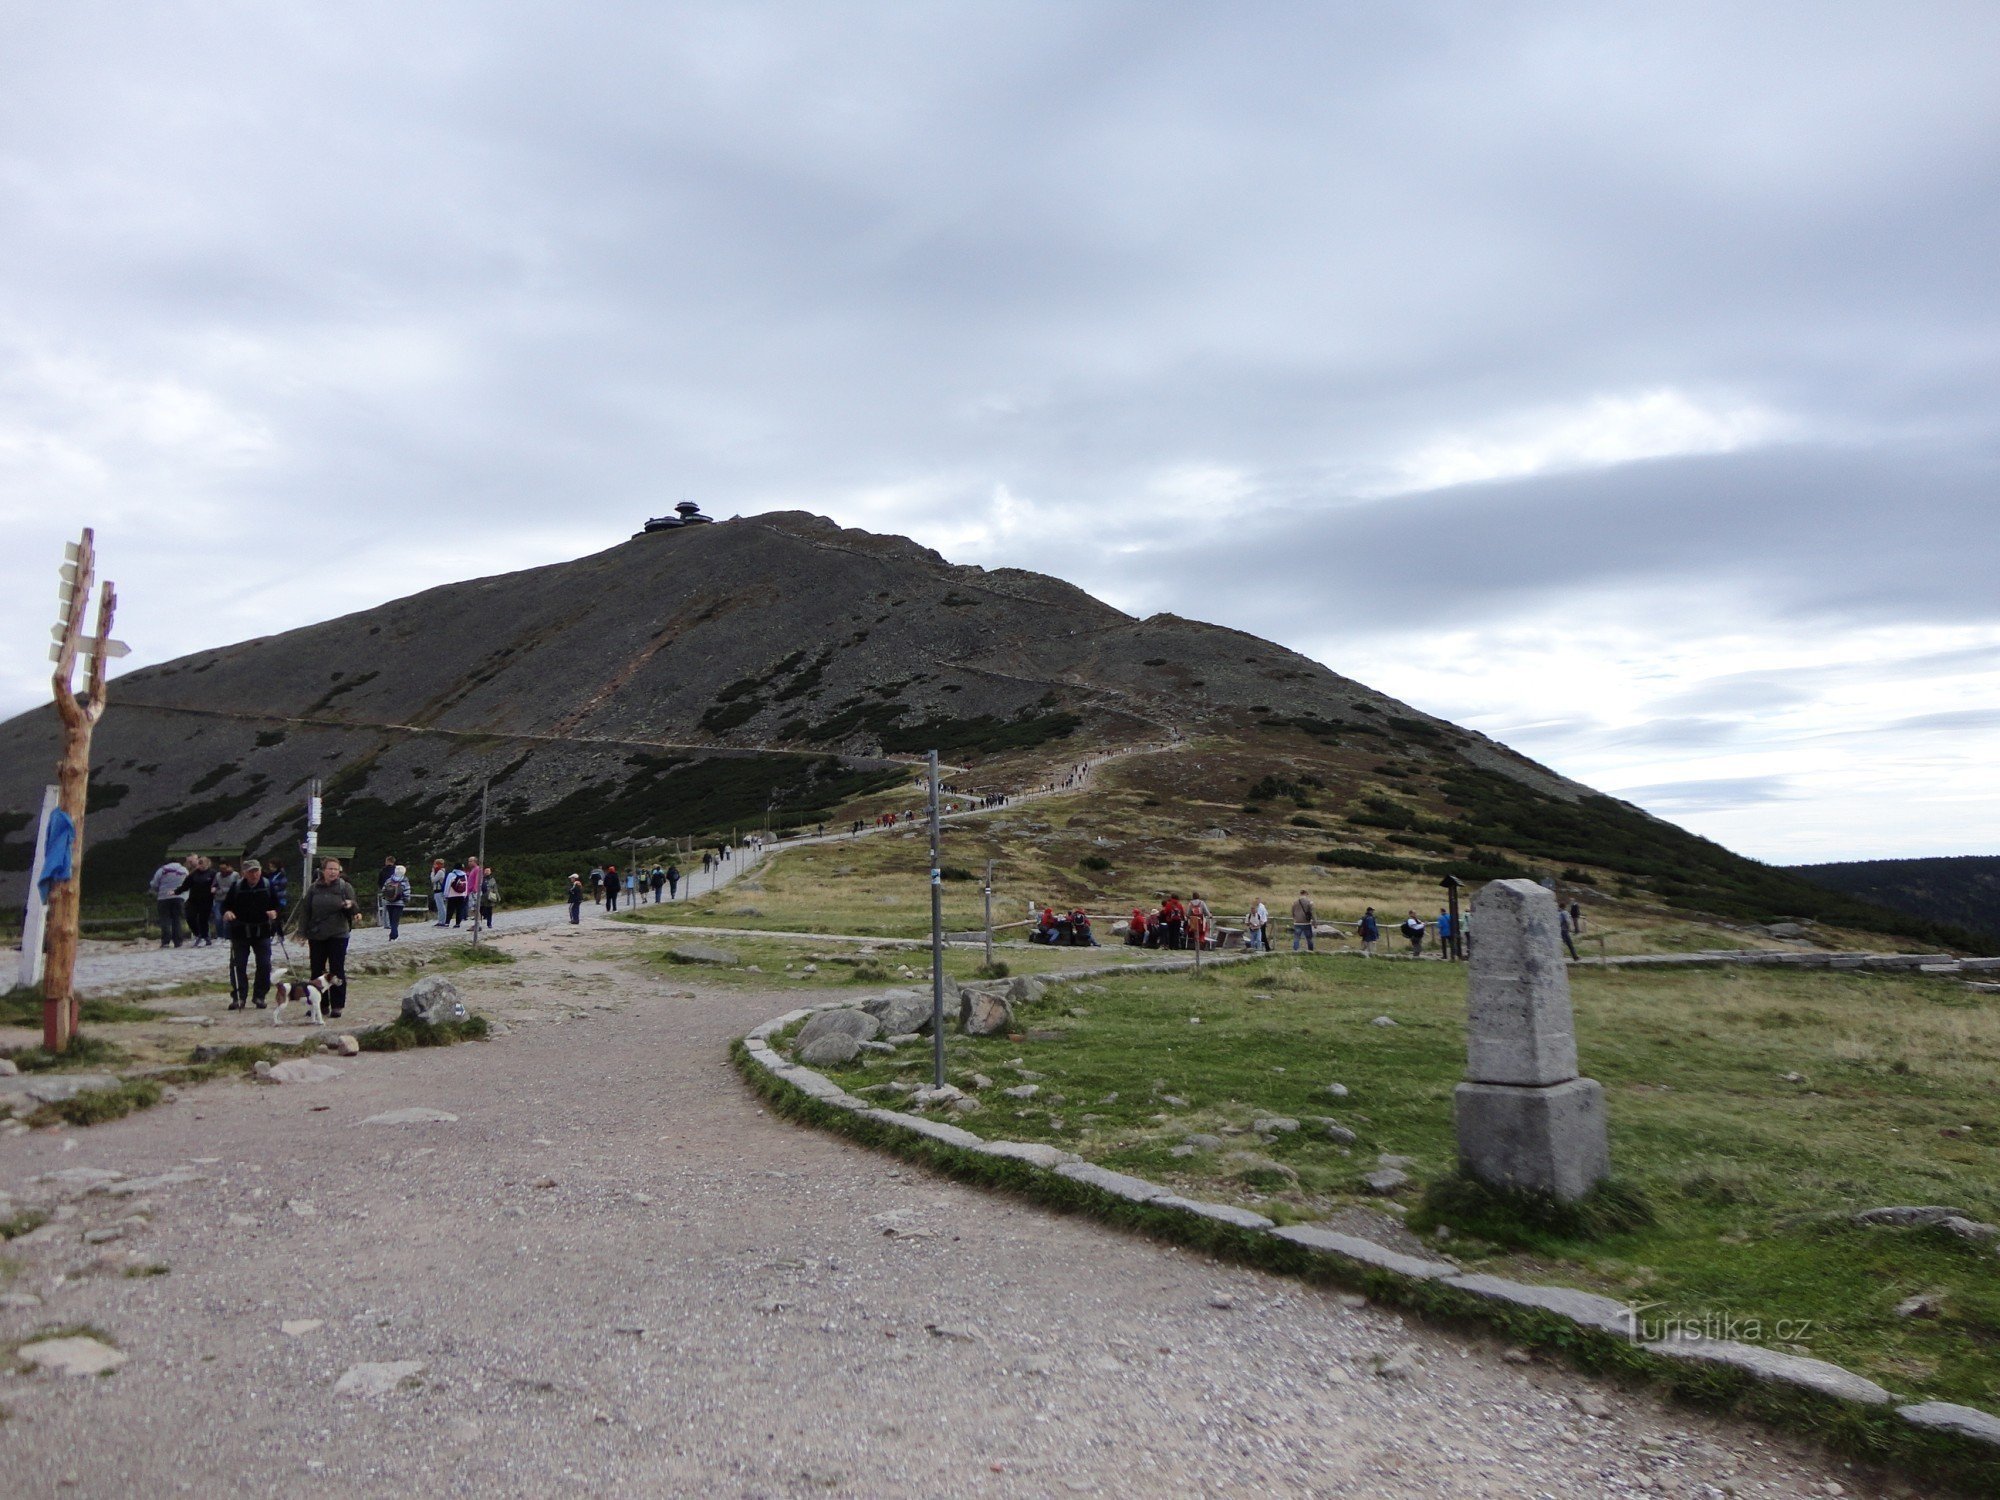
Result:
{"points": [[1525, 1119]]}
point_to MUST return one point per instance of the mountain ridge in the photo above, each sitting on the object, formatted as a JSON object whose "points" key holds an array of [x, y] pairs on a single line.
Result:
{"points": [[775, 669]]}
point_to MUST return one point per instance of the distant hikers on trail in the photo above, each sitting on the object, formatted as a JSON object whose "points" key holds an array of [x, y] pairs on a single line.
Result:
{"points": [[391, 897], [673, 881], [199, 888]]}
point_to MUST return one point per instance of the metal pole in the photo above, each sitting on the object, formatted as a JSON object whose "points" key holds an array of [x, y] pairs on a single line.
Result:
{"points": [[33, 919], [989, 914], [479, 899], [937, 935], [313, 809]]}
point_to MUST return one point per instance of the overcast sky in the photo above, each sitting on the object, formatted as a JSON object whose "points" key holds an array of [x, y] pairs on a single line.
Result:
{"points": [[1621, 381]]}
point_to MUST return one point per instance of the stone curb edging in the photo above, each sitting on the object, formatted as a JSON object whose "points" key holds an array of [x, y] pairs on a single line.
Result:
{"points": [[1970, 1436]]}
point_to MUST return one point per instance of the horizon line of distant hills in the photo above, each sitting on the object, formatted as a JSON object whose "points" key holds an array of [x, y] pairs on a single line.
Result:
{"points": [[1962, 889]]}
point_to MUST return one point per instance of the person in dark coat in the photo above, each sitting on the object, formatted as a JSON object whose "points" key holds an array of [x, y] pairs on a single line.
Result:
{"points": [[673, 882], [249, 917], [199, 888], [576, 894], [325, 917]]}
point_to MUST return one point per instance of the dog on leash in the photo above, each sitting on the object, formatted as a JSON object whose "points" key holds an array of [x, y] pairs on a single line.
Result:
{"points": [[285, 990]]}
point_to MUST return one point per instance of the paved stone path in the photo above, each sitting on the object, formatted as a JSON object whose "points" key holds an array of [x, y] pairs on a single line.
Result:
{"points": [[613, 1273]]}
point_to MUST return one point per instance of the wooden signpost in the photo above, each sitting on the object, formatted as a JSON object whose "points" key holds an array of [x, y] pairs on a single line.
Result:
{"points": [[79, 715]]}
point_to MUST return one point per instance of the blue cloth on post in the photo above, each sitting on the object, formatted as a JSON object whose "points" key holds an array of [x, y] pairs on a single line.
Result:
{"points": [[59, 860]]}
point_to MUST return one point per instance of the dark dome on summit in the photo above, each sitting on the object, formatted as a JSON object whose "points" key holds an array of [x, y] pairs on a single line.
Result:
{"points": [[687, 513]]}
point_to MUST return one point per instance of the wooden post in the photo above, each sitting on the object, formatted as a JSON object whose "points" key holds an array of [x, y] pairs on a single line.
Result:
{"points": [[61, 1009]]}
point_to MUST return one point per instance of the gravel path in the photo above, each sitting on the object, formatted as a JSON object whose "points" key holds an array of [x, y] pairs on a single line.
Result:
{"points": [[620, 1276]]}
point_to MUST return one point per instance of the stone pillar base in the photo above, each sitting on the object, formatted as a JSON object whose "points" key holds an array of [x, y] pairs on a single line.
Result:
{"points": [[1550, 1139]]}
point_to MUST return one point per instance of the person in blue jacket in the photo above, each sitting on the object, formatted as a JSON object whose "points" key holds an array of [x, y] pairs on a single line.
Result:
{"points": [[1444, 935], [1370, 932]]}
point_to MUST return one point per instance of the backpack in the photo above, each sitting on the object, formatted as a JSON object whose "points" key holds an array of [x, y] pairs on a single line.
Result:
{"points": [[457, 885]]}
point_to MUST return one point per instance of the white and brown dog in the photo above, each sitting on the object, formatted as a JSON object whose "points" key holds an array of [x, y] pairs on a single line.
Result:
{"points": [[285, 990]]}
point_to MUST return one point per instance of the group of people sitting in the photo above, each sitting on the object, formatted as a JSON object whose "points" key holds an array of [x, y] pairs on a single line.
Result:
{"points": [[1172, 924], [1069, 929]]}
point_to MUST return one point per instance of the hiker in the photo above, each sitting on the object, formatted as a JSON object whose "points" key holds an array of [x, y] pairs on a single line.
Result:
{"points": [[1444, 935], [249, 915], [281, 888], [1303, 918], [707, 862], [1257, 927], [168, 900], [1369, 931], [394, 893], [1045, 929], [658, 881], [1414, 929], [382, 878], [454, 897], [575, 900], [1135, 930], [325, 917], [1576, 917], [473, 876], [631, 889], [673, 881], [225, 882], [1568, 928], [199, 889], [1200, 920], [611, 887], [489, 896], [1173, 922], [440, 875], [597, 885]]}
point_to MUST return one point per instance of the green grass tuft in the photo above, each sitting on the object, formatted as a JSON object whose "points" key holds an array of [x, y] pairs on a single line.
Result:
{"points": [[1529, 1220], [85, 1051], [95, 1106], [20, 1222], [403, 1033]]}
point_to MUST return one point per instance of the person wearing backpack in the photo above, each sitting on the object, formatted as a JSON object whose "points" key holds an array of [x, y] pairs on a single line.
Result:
{"points": [[393, 896], [454, 897], [1414, 929], [489, 896], [673, 881], [1369, 931]]}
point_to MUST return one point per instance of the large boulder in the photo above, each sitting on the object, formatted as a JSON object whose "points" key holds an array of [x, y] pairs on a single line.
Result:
{"points": [[981, 1013], [829, 1050], [433, 1000], [857, 1024], [901, 1012], [1024, 990]]}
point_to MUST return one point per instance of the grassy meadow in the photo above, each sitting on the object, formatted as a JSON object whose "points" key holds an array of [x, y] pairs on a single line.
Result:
{"points": [[1753, 1109]]}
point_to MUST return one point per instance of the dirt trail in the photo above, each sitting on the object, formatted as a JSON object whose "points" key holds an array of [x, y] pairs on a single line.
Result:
{"points": [[621, 1276]]}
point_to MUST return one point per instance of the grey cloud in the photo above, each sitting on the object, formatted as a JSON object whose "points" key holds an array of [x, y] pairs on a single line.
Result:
{"points": [[1952, 721], [1718, 794]]}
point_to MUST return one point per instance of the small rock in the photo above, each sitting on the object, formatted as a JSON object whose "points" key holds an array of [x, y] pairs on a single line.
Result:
{"points": [[299, 1070], [1518, 1356], [1400, 1163], [1382, 1021], [80, 1355], [1385, 1181], [433, 1000], [377, 1379], [1023, 1091], [1338, 1090], [943, 1093], [7, 1068], [1591, 1404], [19, 1301], [981, 1081], [1335, 1131], [1221, 1301], [1793, 1077], [1201, 1141], [103, 1236], [1401, 1365], [347, 1046], [981, 1014], [700, 953], [830, 1050], [298, 1328], [1923, 1305], [1274, 1125], [1175, 1100], [857, 1024], [1352, 1301], [954, 1332], [416, 1114]]}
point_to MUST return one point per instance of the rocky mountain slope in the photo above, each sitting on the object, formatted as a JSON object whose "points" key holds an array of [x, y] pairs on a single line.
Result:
{"points": [[774, 669]]}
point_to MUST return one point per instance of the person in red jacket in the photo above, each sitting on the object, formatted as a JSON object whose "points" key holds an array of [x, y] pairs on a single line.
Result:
{"points": [[1135, 930], [1173, 922]]}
